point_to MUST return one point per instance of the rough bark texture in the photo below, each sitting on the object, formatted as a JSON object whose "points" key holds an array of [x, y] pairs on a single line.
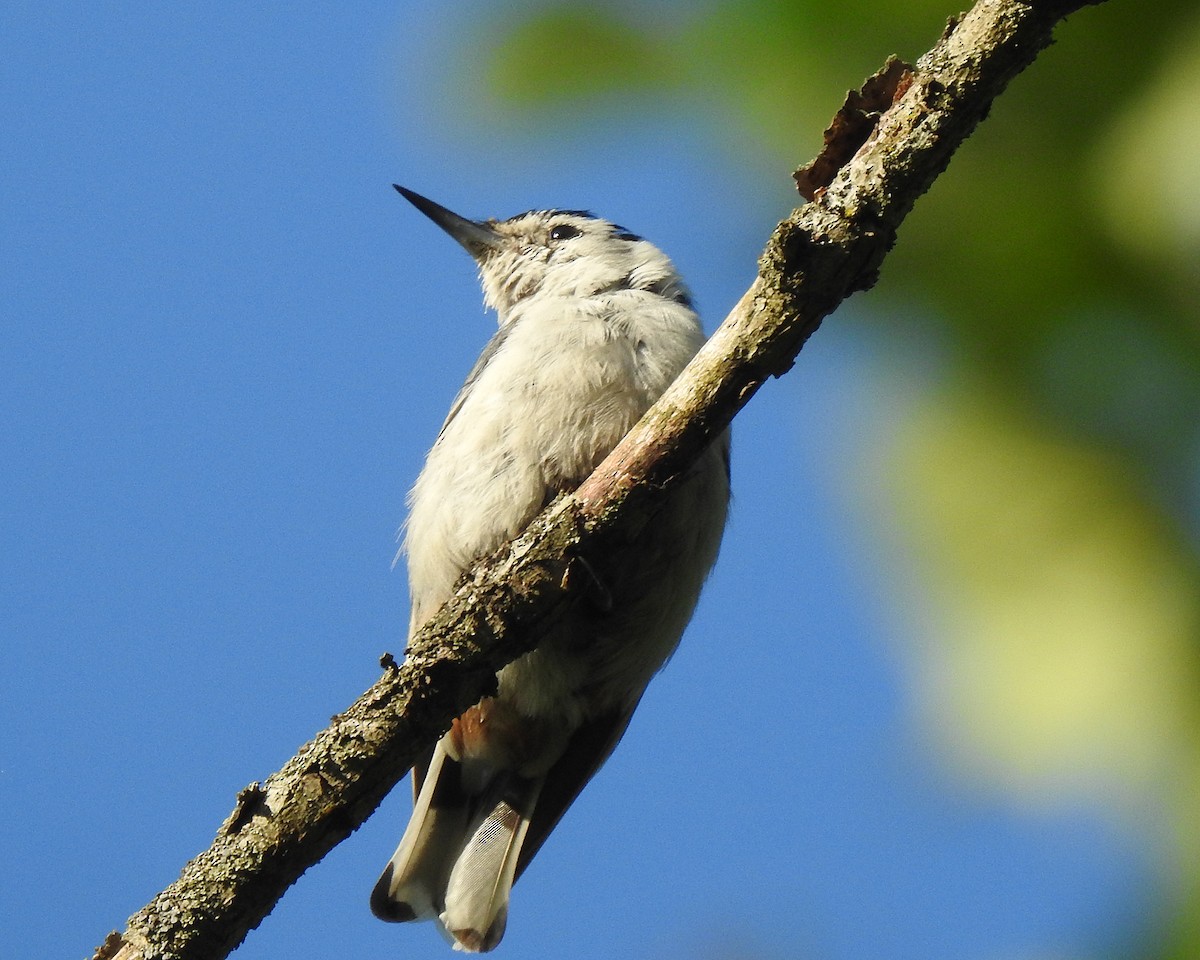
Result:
{"points": [[821, 254]]}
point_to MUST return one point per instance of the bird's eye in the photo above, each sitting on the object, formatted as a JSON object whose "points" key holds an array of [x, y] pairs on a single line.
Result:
{"points": [[564, 231]]}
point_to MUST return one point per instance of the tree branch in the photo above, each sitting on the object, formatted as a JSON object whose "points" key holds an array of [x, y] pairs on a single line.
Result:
{"points": [[883, 151]]}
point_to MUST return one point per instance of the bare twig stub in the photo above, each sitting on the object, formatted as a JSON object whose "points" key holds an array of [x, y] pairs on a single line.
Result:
{"points": [[905, 129]]}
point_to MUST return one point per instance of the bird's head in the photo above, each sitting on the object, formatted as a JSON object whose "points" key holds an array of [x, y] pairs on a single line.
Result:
{"points": [[555, 253]]}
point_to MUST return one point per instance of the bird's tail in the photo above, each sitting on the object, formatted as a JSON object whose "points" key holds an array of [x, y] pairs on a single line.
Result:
{"points": [[458, 857]]}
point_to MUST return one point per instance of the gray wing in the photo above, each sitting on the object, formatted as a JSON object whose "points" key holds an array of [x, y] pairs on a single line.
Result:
{"points": [[489, 351], [586, 752]]}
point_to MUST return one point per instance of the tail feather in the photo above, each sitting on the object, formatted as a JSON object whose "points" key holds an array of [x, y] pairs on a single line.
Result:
{"points": [[478, 889], [457, 860], [414, 880]]}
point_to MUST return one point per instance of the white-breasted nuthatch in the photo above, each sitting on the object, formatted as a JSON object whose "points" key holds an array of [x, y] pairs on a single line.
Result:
{"points": [[594, 325]]}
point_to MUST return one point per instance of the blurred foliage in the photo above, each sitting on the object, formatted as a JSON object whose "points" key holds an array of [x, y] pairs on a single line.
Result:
{"points": [[1048, 499], [1059, 660], [1066, 644]]}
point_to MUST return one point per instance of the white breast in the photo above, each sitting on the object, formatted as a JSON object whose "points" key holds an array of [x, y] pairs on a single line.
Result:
{"points": [[564, 387]]}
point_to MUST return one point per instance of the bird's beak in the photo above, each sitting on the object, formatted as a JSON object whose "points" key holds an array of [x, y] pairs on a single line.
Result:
{"points": [[477, 238]]}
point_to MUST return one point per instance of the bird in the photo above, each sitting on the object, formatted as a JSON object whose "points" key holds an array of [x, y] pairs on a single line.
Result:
{"points": [[594, 323]]}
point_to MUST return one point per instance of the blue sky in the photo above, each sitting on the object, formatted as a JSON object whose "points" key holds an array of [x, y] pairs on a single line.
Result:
{"points": [[227, 345]]}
